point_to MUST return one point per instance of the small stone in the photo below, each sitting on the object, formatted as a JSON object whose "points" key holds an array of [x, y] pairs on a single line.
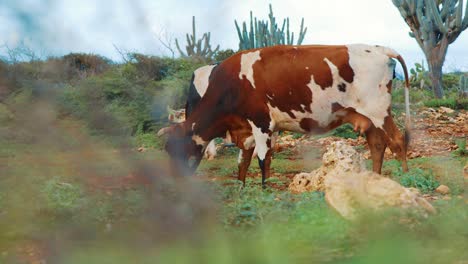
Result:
{"points": [[446, 110], [446, 198], [141, 149], [443, 189]]}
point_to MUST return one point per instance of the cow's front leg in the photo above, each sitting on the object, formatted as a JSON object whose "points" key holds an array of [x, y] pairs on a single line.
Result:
{"points": [[245, 157], [263, 148], [265, 166]]}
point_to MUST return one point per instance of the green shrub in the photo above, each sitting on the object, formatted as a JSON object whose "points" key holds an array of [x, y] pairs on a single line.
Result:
{"points": [[80, 63], [148, 140], [450, 81], [461, 147], [62, 197], [224, 54], [418, 178], [149, 67], [100, 101], [345, 131]]}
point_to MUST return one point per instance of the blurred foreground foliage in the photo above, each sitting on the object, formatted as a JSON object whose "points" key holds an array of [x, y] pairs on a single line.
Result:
{"points": [[68, 190]]}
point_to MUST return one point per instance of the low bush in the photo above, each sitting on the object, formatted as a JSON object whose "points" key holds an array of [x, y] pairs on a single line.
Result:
{"points": [[345, 131], [62, 197], [424, 180], [461, 147]]}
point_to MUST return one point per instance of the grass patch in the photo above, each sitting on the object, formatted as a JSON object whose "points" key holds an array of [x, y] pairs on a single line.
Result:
{"points": [[461, 150], [454, 103], [424, 180], [345, 131]]}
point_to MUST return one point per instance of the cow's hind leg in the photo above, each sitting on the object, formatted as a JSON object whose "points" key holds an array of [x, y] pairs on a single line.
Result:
{"points": [[245, 157], [377, 145], [396, 141]]}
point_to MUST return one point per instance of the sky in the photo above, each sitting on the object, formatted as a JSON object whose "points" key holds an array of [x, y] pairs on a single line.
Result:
{"points": [[58, 27]]}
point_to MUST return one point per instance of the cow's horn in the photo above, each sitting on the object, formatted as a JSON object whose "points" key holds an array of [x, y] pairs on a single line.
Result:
{"points": [[164, 131]]}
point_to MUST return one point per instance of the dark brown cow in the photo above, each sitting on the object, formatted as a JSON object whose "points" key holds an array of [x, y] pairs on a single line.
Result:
{"points": [[297, 88]]}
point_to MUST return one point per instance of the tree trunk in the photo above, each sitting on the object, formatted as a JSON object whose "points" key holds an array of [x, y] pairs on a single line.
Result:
{"points": [[435, 73], [435, 59]]}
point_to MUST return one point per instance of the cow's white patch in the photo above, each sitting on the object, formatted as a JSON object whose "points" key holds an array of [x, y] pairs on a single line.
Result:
{"points": [[372, 71], [228, 138], [239, 158], [247, 62], [198, 140], [306, 68], [193, 125], [261, 139], [201, 78], [210, 151], [322, 99], [249, 142]]}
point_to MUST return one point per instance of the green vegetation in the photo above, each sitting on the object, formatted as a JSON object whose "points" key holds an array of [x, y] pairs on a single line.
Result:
{"points": [[345, 131], [267, 33], [461, 150], [417, 178], [71, 179], [199, 49], [434, 24]]}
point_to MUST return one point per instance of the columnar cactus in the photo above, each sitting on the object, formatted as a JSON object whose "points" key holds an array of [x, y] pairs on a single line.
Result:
{"points": [[463, 83], [434, 24], [267, 33], [200, 48]]}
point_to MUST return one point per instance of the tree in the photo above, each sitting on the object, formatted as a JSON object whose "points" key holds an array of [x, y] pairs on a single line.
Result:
{"points": [[435, 24]]}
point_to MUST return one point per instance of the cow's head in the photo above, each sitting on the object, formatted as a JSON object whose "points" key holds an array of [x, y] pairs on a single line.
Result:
{"points": [[184, 149]]}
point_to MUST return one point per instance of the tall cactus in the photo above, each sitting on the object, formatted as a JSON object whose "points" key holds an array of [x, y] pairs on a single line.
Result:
{"points": [[267, 33], [463, 85], [434, 24], [201, 48]]}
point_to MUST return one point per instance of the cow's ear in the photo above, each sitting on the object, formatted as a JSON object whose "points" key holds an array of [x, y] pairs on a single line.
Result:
{"points": [[170, 110]]}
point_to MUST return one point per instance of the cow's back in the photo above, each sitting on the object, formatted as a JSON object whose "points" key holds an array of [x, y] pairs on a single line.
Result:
{"points": [[298, 82]]}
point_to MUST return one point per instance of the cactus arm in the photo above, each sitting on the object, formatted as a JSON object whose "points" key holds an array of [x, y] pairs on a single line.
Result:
{"points": [[465, 19], [198, 48], [435, 15]]}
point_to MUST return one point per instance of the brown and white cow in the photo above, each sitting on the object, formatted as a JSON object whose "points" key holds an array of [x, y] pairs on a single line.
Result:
{"points": [[198, 85], [304, 89]]}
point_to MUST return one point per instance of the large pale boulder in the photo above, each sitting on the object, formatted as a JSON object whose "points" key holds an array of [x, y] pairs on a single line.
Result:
{"points": [[349, 188]]}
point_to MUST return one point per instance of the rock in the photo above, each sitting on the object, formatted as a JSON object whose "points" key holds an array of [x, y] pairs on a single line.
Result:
{"points": [[446, 110], [141, 149], [349, 187], [306, 182], [443, 189]]}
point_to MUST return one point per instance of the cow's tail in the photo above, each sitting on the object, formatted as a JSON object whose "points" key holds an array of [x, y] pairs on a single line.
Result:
{"points": [[393, 54]]}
